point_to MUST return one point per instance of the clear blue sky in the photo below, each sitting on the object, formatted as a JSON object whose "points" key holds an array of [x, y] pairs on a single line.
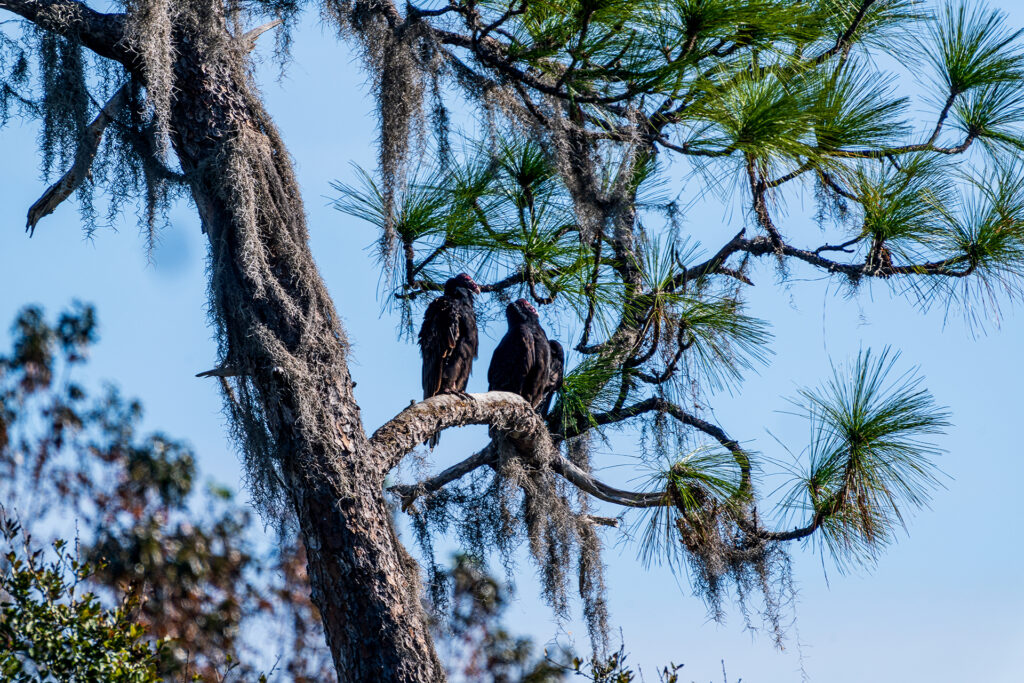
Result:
{"points": [[943, 604]]}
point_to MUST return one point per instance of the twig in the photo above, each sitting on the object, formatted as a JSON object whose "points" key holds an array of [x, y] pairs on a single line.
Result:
{"points": [[248, 40]]}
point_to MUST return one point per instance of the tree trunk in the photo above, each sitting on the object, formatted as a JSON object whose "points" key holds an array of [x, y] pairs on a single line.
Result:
{"points": [[292, 401]]}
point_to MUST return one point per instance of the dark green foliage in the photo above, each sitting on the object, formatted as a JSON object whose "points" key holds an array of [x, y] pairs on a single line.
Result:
{"points": [[52, 629]]}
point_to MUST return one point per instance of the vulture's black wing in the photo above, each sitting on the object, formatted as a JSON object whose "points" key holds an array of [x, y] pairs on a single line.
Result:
{"points": [[511, 361], [459, 364], [439, 335], [448, 345], [556, 371], [536, 383]]}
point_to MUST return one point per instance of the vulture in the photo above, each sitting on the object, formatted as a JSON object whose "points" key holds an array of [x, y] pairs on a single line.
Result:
{"points": [[448, 340], [555, 374], [520, 362]]}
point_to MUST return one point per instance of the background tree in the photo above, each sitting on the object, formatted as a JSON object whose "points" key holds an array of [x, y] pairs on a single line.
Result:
{"points": [[744, 85], [182, 561], [51, 630]]}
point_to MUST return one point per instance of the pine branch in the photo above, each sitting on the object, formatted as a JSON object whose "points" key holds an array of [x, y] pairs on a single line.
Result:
{"points": [[845, 41]]}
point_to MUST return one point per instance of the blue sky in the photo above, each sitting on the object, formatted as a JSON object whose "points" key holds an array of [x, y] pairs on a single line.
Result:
{"points": [[944, 602]]}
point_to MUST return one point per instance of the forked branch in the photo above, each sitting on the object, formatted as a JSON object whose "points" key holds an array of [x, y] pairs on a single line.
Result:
{"points": [[505, 412]]}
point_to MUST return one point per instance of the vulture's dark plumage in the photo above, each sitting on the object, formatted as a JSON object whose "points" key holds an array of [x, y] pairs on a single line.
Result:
{"points": [[520, 363], [448, 340], [556, 370]]}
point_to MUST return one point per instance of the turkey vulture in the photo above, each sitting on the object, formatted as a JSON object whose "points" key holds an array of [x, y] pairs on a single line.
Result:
{"points": [[555, 374], [520, 362], [448, 340]]}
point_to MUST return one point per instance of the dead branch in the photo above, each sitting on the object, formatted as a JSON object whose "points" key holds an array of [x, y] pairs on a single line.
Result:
{"points": [[248, 40], [81, 169]]}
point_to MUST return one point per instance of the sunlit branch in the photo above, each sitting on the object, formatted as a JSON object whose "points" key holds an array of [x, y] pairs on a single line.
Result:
{"points": [[408, 493], [248, 40], [81, 169], [527, 433], [505, 412]]}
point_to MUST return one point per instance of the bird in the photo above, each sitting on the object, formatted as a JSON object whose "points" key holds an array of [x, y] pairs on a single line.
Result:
{"points": [[555, 375], [521, 359], [448, 340]]}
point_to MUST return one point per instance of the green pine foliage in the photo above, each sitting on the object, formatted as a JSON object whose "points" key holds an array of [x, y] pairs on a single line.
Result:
{"points": [[872, 454], [589, 114]]}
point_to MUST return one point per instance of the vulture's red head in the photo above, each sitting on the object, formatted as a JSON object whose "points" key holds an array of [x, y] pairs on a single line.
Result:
{"points": [[520, 310], [462, 280]]}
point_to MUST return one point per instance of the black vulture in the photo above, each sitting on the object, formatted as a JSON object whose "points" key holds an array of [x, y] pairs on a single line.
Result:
{"points": [[520, 362], [448, 340], [555, 374]]}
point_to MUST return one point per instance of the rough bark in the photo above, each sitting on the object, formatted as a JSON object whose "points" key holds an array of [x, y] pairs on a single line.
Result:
{"points": [[283, 331]]}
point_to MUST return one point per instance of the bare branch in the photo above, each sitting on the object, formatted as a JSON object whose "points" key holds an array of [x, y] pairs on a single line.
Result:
{"points": [[956, 266], [248, 40], [602, 521], [81, 169], [408, 493], [222, 372], [526, 431], [584, 481], [505, 412], [713, 265], [758, 188], [844, 247], [588, 483]]}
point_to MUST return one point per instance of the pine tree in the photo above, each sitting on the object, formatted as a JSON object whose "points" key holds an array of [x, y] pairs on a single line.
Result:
{"points": [[583, 103]]}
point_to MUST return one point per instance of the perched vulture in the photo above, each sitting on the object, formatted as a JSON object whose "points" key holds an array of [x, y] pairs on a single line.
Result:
{"points": [[448, 340], [520, 363], [555, 374]]}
